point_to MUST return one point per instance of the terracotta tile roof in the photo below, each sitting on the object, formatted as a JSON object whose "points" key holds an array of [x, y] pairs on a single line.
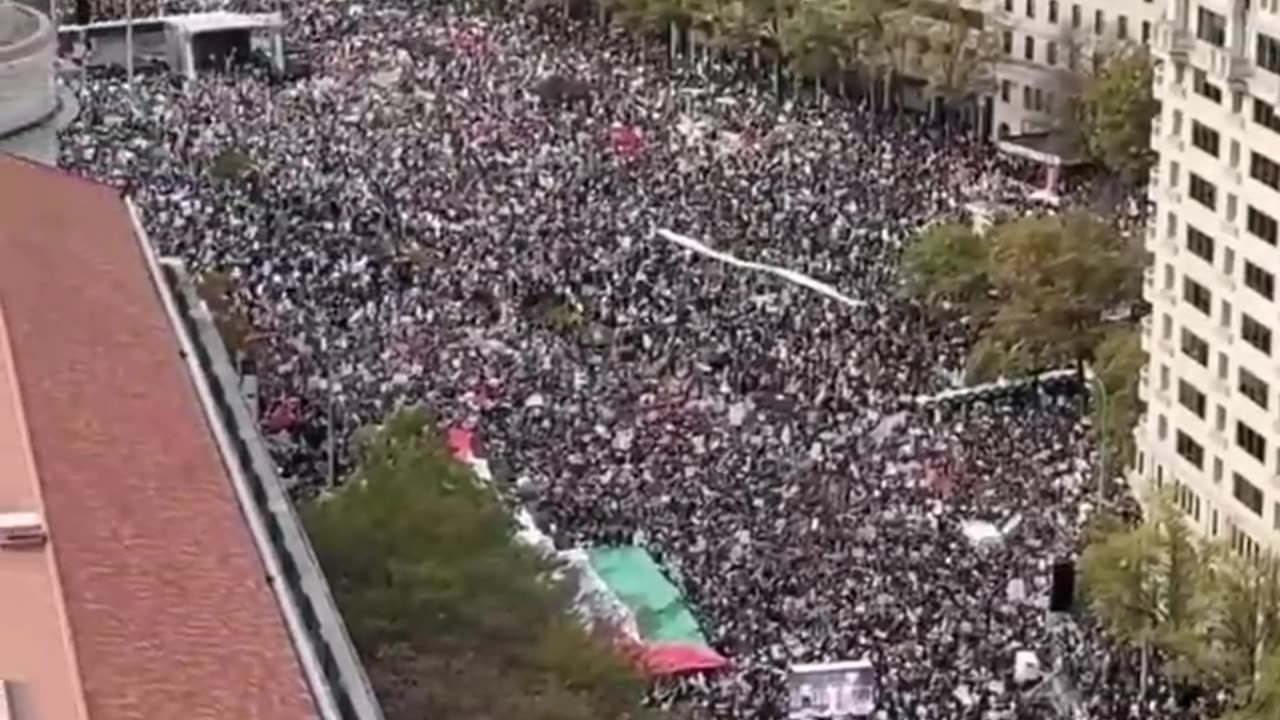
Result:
{"points": [[170, 612], [36, 653]]}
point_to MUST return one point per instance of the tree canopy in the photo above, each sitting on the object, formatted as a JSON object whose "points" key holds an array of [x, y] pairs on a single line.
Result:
{"points": [[1116, 110], [1118, 362], [451, 615], [878, 41], [1044, 291], [1212, 616]]}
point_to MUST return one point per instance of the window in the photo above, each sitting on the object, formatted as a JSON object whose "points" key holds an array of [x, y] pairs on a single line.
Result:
{"points": [[1031, 9], [1264, 113], [1197, 295], [1194, 347], [1251, 442], [1244, 545], [1255, 333], [1259, 280], [1053, 11], [1146, 32], [1262, 225], [1191, 398], [1006, 41], [1254, 388], [1247, 493], [1190, 450], [1098, 22], [1029, 48], [1076, 20], [1200, 82], [1203, 191], [1051, 53], [1264, 170], [1188, 501], [1211, 27], [1122, 27], [1200, 244], [1026, 97], [1267, 53], [1008, 5], [1006, 89], [1205, 137]]}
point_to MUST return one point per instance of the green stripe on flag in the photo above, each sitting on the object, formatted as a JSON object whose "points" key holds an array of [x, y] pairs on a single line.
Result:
{"points": [[635, 578]]}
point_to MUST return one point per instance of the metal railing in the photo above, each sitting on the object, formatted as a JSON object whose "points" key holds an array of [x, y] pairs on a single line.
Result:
{"points": [[329, 659]]}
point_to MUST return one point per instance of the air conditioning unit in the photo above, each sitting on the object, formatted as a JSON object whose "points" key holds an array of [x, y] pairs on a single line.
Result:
{"points": [[21, 530]]}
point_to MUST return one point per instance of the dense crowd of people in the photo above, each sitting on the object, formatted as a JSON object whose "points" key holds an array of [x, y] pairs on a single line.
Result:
{"points": [[424, 221]]}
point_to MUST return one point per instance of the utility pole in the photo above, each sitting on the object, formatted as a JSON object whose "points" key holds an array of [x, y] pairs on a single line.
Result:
{"points": [[331, 415], [1100, 397], [128, 44], [333, 453]]}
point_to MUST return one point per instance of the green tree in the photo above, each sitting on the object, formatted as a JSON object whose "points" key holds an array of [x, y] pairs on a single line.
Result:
{"points": [[1063, 282], [820, 38], [957, 55], [1041, 291], [1244, 625], [1145, 584], [949, 263], [1264, 702], [453, 617], [886, 39], [674, 18], [1118, 361], [1116, 110]]}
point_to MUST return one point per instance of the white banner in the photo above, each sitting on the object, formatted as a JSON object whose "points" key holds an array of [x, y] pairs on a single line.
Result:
{"points": [[829, 691]]}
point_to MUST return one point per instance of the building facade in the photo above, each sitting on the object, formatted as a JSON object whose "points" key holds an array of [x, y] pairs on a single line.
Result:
{"points": [[1048, 45], [1212, 426], [29, 102]]}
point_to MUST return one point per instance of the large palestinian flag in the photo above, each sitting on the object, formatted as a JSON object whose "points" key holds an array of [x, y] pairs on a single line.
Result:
{"points": [[623, 586], [668, 637]]}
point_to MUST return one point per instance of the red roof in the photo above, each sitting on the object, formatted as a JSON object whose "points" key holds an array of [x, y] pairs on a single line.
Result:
{"points": [[166, 596]]}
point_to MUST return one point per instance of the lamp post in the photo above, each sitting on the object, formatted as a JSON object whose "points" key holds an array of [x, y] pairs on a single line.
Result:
{"points": [[1098, 390]]}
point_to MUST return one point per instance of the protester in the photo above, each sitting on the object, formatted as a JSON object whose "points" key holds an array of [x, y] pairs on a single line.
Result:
{"points": [[431, 219]]}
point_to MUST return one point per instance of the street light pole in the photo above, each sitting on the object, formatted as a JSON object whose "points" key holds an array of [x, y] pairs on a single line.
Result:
{"points": [[1100, 397]]}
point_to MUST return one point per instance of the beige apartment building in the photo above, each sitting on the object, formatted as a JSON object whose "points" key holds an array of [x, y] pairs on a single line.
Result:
{"points": [[1212, 426], [1047, 44]]}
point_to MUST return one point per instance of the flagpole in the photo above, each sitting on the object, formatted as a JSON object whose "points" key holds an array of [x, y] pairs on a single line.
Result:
{"points": [[128, 43]]}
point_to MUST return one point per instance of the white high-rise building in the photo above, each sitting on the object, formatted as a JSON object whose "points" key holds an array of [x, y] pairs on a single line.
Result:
{"points": [[1212, 425]]}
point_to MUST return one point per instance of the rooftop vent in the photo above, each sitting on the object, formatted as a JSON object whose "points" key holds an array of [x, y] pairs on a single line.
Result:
{"points": [[21, 530]]}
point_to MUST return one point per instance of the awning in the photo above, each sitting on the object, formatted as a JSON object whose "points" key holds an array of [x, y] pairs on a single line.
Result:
{"points": [[1047, 148]]}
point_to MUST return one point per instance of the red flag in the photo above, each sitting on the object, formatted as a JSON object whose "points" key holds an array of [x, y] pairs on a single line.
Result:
{"points": [[283, 415], [939, 476], [628, 141]]}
